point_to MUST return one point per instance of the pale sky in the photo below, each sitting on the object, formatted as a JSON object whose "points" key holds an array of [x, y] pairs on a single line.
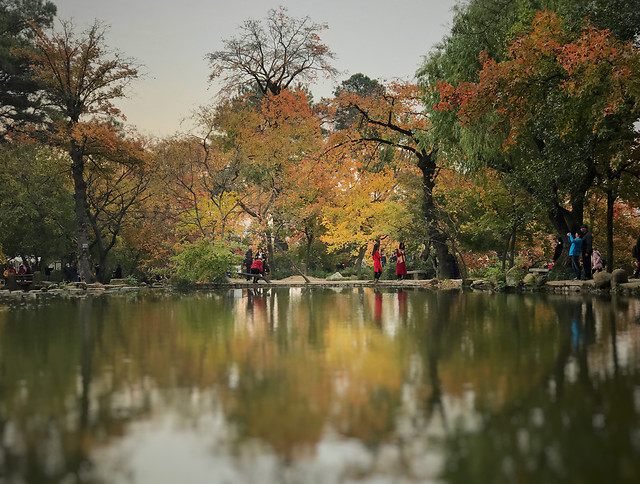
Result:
{"points": [[381, 39]]}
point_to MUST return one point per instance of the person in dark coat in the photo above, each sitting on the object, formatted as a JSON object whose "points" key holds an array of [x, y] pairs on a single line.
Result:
{"points": [[248, 261], [557, 252], [587, 250], [636, 274]]}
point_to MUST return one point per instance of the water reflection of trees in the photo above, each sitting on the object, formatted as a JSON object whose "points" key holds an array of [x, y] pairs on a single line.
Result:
{"points": [[573, 424], [291, 369]]}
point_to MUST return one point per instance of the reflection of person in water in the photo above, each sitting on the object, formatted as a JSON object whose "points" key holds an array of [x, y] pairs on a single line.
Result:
{"points": [[377, 314], [583, 331], [577, 331], [257, 300], [402, 305]]}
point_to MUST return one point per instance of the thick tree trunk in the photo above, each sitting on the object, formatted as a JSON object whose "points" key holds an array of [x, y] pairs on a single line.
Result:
{"points": [[308, 254], [268, 238], [81, 208], [512, 251], [436, 237], [611, 200], [564, 222], [361, 253]]}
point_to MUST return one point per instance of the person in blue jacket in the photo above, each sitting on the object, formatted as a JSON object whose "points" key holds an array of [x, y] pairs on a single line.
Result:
{"points": [[574, 252]]}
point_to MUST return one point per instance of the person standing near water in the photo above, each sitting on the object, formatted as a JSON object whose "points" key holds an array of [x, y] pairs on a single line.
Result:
{"points": [[557, 252], [574, 252], [635, 252], [401, 265], [377, 264], [248, 261], [587, 250], [257, 269]]}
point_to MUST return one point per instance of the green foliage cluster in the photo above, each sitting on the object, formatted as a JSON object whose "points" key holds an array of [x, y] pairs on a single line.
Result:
{"points": [[206, 261], [560, 274]]}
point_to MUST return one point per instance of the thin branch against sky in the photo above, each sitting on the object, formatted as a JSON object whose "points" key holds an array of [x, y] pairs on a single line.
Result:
{"points": [[383, 39]]}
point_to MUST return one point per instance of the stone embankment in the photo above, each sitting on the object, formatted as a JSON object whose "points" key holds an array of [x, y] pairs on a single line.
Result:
{"points": [[74, 289], [603, 283]]}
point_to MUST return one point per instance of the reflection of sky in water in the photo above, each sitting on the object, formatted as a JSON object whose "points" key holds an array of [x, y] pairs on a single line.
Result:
{"points": [[197, 445]]}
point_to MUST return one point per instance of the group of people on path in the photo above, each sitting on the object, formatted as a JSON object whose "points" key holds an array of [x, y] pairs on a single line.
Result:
{"points": [[401, 264], [255, 267], [581, 251]]}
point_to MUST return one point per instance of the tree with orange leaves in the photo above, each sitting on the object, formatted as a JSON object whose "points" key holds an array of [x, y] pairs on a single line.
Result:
{"points": [[264, 138], [82, 79], [391, 117], [556, 116]]}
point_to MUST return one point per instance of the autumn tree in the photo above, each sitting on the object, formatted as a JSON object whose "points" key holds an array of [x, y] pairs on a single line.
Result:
{"points": [[263, 139], [21, 99], [197, 186], [82, 79], [563, 108], [553, 159], [392, 116], [273, 54], [361, 207], [117, 183]]}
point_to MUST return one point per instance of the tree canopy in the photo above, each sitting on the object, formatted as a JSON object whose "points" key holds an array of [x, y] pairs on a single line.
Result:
{"points": [[273, 54]]}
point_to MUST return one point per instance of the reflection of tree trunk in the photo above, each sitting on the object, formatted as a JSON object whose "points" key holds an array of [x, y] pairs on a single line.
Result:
{"points": [[434, 345], [614, 336], [86, 358], [361, 253]]}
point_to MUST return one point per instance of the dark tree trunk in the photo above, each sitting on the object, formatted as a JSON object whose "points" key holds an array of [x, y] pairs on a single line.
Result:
{"points": [[361, 254], [81, 210], [268, 238], [308, 254], [436, 237], [611, 200], [512, 251]]}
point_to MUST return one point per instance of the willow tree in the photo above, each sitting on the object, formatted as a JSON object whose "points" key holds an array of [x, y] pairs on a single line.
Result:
{"points": [[82, 77]]}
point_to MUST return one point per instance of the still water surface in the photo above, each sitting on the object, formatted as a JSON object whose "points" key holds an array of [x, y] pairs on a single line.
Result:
{"points": [[320, 386]]}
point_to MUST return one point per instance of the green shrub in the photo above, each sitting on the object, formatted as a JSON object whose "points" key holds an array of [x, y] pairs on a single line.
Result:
{"points": [[319, 273], [205, 261], [495, 274], [131, 281], [56, 276], [388, 272], [558, 273]]}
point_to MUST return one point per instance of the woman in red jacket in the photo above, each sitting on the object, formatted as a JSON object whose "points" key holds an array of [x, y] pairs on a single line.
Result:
{"points": [[401, 265], [257, 269], [377, 264]]}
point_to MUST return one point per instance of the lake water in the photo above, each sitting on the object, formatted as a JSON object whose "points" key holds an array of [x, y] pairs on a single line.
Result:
{"points": [[320, 386]]}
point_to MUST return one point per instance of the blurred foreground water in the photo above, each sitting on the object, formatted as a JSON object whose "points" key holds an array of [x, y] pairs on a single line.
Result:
{"points": [[320, 386]]}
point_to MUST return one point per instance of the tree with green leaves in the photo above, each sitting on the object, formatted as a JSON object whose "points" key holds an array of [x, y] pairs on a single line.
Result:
{"points": [[36, 203], [547, 103], [21, 97], [82, 78]]}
